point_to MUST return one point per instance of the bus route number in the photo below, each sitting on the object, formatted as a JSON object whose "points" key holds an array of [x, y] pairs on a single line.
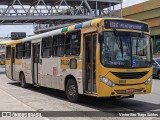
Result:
{"points": [[65, 62]]}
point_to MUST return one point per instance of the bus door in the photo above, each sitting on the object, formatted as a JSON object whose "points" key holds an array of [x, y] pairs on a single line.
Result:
{"points": [[35, 63], [13, 62], [89, 67]]}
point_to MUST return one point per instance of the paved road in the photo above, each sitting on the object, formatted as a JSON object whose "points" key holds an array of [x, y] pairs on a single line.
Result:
{"points": [[44, 99]]}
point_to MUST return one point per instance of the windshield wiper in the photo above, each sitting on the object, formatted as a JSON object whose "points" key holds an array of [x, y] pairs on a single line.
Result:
{"points": [[121, 47], [115, 32], [137, 46], [142, 34], [119, 42]]}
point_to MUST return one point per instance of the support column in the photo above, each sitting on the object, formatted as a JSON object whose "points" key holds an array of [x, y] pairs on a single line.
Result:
{"points": [[89, 8]]}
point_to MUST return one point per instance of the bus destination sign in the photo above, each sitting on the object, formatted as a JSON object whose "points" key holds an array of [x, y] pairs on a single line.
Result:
{"points": [[123, 24]]}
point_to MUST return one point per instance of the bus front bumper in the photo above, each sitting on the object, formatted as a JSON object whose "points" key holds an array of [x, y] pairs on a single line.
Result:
{"points": [[124, 90], [119, 90]]}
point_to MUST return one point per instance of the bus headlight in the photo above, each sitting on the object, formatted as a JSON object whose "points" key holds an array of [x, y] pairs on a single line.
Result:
{"points": [[148, 81], [106, 81]]}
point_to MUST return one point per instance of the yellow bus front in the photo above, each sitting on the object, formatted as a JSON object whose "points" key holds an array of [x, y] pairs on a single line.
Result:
{"points": [[2, 59], [123, 65]]}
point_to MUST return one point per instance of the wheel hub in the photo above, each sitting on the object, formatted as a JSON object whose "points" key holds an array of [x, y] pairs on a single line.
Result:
{"points": [[72, 90]]}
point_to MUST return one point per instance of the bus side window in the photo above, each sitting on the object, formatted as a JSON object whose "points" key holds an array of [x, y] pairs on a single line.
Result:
{"points": [[27, 50], [72, 44], [46, 47], [19, 51], [58, 45], [8, 54]]}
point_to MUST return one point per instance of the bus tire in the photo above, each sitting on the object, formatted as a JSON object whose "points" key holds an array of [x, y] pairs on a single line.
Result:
{"points": [[72, 90], [23, 81]]}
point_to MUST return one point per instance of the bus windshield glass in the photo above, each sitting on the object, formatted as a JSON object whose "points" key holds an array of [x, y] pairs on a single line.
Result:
{"points": [[2, 48], [2, 57], [125, 50]]}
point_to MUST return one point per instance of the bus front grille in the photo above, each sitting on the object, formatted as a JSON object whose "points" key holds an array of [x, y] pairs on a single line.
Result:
{"points": [[130, 75]]}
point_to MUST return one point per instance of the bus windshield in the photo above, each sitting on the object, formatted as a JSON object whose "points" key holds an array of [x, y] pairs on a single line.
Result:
{"points": [[2, 57], [2, 48], [125, 50]]}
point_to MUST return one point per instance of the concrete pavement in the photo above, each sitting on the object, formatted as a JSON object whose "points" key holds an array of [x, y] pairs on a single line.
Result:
{"points": [[9, 103]]}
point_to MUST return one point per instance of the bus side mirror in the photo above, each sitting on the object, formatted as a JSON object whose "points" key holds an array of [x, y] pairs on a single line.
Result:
{"points": [[100, 37]]}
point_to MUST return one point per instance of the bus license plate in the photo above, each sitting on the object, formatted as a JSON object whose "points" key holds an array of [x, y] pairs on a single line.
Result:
{"points": [[129, 90]]}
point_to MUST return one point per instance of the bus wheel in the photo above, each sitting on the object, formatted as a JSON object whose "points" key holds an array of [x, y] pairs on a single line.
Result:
{"points": [[72, 90], [23, 81]]}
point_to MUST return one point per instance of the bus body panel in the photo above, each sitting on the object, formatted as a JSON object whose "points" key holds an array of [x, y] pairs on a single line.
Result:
{"points": [[27, 70], [19, 66], [8, 69], [46, 72]]}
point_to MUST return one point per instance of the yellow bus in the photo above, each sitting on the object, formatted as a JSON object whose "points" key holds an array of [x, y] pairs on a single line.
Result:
{"points": [[2, 58], [2, 52], [104, 57]]}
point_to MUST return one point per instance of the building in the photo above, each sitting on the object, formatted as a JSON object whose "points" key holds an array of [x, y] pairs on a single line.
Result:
{"points": [[149, 12]]}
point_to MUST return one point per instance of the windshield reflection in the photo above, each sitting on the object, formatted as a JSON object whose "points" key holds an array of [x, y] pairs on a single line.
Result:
{"points": [[125, 49]]}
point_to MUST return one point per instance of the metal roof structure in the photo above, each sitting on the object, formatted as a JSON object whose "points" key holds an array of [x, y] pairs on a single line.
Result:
{"points": [[57, 2], [50, 13]]}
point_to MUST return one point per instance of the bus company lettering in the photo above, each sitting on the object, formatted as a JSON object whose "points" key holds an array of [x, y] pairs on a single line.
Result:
{"points": [[65, 62]]}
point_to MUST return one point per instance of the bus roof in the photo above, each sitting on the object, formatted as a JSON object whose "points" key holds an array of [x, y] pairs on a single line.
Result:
{"points": [[13, 42], [67, 29]]}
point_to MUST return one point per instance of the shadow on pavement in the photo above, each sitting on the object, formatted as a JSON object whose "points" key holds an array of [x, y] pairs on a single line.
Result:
{"points": [[102, 104]]}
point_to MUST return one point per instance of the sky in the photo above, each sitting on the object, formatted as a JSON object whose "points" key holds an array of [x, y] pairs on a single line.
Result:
{"points": [[127, 3], [5, 30]]}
